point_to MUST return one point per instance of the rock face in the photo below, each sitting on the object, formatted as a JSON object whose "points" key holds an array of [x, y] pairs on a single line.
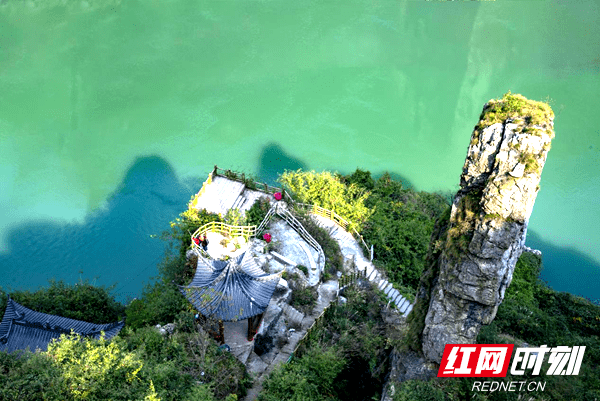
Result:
{"points": [[488, 220]]}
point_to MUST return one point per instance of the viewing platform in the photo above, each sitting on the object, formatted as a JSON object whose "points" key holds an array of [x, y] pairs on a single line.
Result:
{"points": [[224, 190]]}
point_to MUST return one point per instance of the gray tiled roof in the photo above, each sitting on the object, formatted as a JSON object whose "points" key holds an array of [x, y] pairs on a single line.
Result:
{"points": [[232, 290], [22, 327]]}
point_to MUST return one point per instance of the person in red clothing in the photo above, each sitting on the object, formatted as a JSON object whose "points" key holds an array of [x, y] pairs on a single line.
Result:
{"points": [[204, 242]]}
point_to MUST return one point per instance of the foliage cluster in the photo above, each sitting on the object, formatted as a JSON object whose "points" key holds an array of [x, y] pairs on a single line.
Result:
{"points": [[416, 319], [140, 365], [257, 212], [462, 224], [343, 358], [184, 226], [400, 226], [327, 190], [303, 269], [419, 390], [516, 107], [534, 313], [304, 298], [234, 217], [311, 378]]}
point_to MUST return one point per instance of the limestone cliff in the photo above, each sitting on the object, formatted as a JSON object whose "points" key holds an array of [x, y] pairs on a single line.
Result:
{"points": [[477, 251]]}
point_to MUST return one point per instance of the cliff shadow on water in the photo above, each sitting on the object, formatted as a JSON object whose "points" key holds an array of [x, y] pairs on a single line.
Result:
{"points": [[274, 160], [119, 243], [567, 269]]}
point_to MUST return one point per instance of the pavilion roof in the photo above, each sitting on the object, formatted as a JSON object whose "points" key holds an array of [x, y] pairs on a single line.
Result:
{"points": [[23, 328], [231, 290]]}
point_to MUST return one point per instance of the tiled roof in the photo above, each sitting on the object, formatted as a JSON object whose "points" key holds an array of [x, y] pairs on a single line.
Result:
{"points": [[231, 290], [22, 327]]}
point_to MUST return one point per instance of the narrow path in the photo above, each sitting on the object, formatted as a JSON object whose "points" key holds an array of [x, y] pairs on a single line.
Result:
{"points": [[350, 247]]}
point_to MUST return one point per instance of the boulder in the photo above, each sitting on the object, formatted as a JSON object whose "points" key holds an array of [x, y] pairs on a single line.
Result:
{"points": [[274, 334]]}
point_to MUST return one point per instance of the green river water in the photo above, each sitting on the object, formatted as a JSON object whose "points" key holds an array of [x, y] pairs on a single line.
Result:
{"points": [[113, 112]]}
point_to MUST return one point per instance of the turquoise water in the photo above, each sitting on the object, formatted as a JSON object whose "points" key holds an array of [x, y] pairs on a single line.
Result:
{"points": [[112, 113]]}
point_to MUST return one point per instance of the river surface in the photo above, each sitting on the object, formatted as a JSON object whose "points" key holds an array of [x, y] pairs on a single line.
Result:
{"points": [[112, 113]]}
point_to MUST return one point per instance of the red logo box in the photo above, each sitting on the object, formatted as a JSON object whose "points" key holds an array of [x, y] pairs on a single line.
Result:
{"points": [[475, 360]]}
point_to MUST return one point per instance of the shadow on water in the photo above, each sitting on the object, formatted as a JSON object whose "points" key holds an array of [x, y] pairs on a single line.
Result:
{"points": [[273, 160], [567, 269], [118, 243]]}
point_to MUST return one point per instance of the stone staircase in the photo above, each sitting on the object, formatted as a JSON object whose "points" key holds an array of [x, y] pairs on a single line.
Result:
{"points": [[294, 316], [350, 247]]}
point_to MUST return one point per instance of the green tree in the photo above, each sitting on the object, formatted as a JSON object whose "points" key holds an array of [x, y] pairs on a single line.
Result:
{"points": [[328, 191]]}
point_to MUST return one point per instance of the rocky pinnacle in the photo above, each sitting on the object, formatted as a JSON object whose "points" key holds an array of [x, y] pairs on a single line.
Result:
{"points": [[488, 220]]}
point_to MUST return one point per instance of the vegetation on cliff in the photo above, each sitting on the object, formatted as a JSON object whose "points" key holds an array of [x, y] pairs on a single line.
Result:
{"points": [[396, 220], [345, 357], [517, 109], [139, 363]]}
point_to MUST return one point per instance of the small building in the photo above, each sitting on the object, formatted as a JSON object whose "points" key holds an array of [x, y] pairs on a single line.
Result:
{"points": [[23, 328], [232, 290]]}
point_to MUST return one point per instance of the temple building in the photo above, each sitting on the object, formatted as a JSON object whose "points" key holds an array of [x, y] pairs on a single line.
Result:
{"points": [[23, 328], [231, 290]]}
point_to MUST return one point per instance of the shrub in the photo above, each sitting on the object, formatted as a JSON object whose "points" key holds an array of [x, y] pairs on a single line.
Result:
{"points": [[304, 299], [312, 377], [183, 227], [257, 212], [303, 269], [30, 377], [97, 369], [411, 390], [400, 229], [328, 191], [356, 332], [160, 304], [234, 217]]}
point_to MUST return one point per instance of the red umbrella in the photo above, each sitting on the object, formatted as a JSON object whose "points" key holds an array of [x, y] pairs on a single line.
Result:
{"points": [[267, 237], [278, 195], [196, 240]]}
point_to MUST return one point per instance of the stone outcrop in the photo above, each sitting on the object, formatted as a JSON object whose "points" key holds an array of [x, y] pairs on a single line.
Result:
{"points": [[485, 233]]}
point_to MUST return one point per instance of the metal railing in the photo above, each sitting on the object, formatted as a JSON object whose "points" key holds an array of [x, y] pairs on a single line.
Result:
{"points": [[250, 183], [336, 218], [265, 221], [194, 202], [297, 226], [224, 229], [350, 279]]}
